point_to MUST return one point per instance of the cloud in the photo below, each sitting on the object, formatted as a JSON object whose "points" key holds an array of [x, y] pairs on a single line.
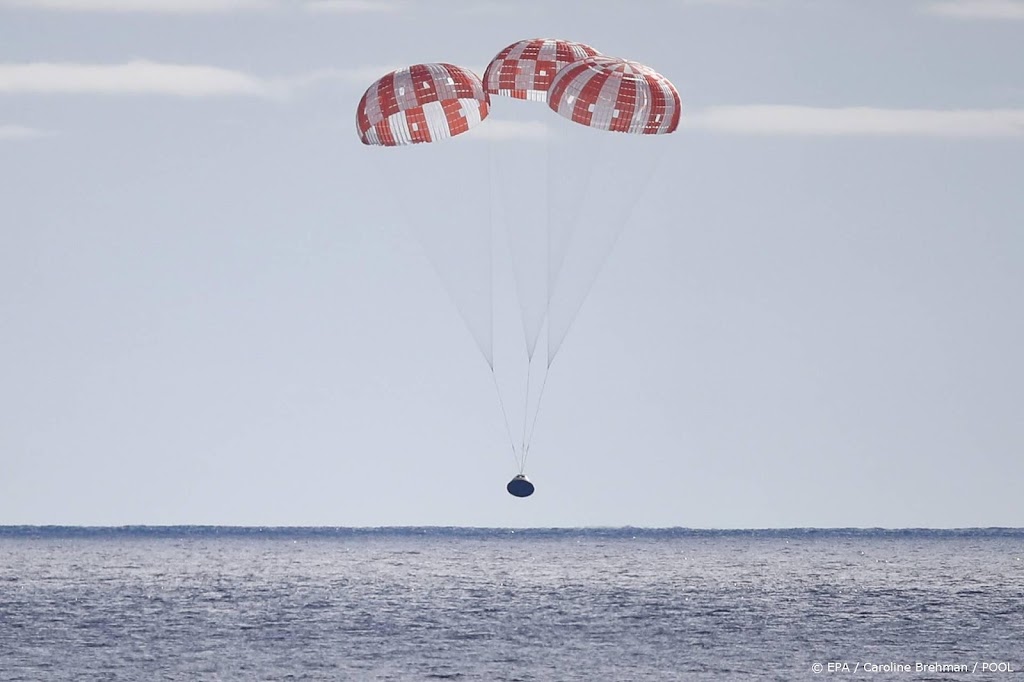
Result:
{"points": [[144, 6], [359, 75], [492, 129], [13, 132], [978, 9], [799, 120], [136, 77], [182, 80], [205, 6], [352, 6]]}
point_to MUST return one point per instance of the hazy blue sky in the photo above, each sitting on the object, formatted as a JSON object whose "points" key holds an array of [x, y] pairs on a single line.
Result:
{"points": [[212, 312]]}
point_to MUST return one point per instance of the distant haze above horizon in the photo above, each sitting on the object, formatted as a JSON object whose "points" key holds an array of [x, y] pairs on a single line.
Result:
{"points": [[213, 309]]}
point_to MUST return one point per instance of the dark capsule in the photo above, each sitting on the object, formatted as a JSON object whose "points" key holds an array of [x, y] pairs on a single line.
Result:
{"points": [[520, 486]]}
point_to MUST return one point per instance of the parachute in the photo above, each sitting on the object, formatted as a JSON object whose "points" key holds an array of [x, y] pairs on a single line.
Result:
{"points": [[616, 95], [556, 200], [525, 69], [413, 109], [421, 103]]}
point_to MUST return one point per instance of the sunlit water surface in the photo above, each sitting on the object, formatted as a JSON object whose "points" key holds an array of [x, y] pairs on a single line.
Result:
{"points": [[426, 604]]}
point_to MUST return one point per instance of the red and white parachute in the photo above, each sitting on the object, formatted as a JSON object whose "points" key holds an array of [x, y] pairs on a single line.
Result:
{"points": [[559, 189], [616, 95], [525, 69], [421, 103]]}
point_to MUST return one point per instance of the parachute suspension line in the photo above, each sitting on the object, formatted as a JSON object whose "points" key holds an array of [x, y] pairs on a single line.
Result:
{"points": [[491, 163], [528, 436], [508, 428], [571, 145], [526, 406], [551, 170], [533, 426], [623, 220], [490, 246]]}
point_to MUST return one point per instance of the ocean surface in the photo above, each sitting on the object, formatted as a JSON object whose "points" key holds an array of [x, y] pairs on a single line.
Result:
{"points": [[207, 603]]}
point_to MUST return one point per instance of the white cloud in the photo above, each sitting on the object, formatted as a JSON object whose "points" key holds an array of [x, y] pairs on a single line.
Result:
{"points": [[137, 77], [492, 129], [978, 9], [352, 6], [13, 132], [182, 80], [798, 120], [144, 6], [359, 75]]}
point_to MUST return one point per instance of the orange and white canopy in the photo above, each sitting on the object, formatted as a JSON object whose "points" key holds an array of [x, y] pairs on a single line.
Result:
{"points": [[421, 103], [525, 69], [616, 95]]}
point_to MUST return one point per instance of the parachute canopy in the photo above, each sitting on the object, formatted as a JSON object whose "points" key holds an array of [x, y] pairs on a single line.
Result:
{"points": [[421, 103], [525, 69], [616, 95]]}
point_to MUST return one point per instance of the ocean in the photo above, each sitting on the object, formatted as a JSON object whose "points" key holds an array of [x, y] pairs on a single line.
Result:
{"points": [[210, 603]]}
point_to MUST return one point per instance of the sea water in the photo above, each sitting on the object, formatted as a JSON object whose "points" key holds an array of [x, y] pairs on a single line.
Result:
{"points": [[188, 603]]}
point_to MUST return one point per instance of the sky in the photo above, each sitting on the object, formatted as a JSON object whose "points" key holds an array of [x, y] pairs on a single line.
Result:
{"points": [[217, 308]]}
